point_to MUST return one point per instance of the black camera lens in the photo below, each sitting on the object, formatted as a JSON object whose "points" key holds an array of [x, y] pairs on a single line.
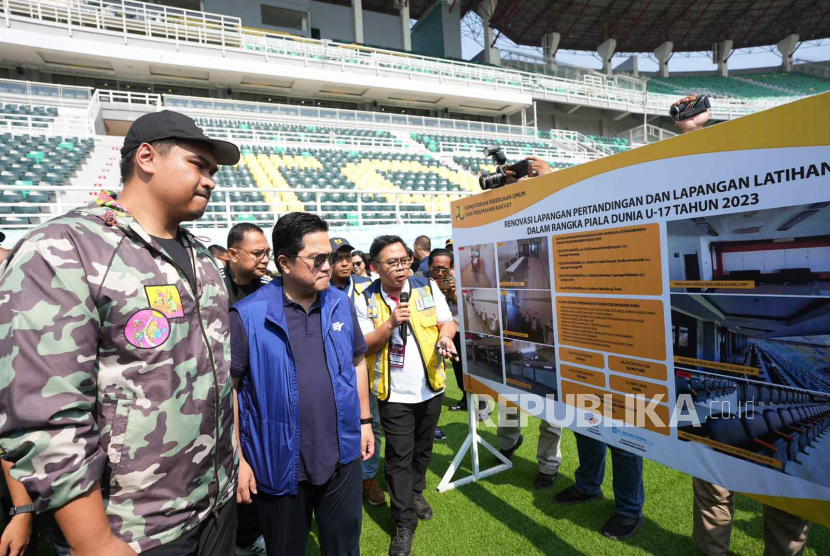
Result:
{"points": [[675, 111], [491, 181]]}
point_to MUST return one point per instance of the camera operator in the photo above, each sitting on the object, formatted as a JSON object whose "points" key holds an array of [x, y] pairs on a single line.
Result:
{"points": [[712, 515]]}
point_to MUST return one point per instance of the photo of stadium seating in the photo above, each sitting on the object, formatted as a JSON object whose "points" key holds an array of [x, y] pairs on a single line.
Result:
{"points": [[484, 357], [783, 251], [527, 315], [531, 367], [481, 311], [524, 264], [478, 265], [779, 341], [784, 426]]}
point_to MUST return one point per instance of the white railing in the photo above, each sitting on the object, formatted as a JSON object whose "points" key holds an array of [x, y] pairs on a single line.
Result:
{"points": [[40, 125], [127, 17], [355, 207], [518, 153], [45, 94], [283, 113], [128, 97], [646, 134], [304, 139]]}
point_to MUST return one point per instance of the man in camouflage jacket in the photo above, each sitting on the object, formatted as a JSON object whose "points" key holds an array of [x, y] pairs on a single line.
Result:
{"points": [[115, 394]]}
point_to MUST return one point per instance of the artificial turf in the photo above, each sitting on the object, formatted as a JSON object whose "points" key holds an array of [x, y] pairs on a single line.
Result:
{"points": [[503, 514]]}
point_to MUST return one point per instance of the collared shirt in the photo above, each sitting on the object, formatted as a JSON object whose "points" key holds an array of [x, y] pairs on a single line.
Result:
{"points": [[348, 289], [235, 291], [319, 448], [409, 383]]}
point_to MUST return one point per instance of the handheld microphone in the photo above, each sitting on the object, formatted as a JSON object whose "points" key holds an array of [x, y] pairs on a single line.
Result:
{"points": [[404, 299]]}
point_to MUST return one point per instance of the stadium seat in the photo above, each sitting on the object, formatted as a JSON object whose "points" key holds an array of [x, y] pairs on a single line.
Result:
{"points": [[759, 432]]}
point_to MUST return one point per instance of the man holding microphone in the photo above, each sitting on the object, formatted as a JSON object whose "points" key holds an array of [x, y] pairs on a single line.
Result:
{"points": [[409, 331]]}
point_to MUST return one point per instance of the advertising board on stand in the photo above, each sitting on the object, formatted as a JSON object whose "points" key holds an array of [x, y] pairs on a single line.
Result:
{"points": [[672, 300]]}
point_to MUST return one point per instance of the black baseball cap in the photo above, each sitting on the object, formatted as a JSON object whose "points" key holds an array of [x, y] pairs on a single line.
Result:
{"points": [[338, 243], [167, 124]]}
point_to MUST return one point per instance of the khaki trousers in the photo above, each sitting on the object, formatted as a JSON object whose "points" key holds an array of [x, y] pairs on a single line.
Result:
{"points": [[784, 533], [548, 452]]}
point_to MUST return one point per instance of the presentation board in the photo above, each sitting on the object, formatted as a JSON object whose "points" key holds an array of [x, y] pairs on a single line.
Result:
{"points": [[675, 298]]}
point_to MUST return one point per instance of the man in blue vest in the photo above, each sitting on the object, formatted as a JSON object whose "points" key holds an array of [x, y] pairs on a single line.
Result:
{"points": [[302, 394]]}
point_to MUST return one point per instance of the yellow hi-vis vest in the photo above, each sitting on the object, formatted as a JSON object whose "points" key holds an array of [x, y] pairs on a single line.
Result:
{"points": [[424, 326]]}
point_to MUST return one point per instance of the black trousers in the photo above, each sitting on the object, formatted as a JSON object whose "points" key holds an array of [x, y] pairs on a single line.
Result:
{"points": [[247, 524], [213, 537], [338, 505], [409, 430]]}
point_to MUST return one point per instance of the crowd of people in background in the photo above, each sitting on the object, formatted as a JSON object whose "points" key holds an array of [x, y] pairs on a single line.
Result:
{"points": [[165, 398]]}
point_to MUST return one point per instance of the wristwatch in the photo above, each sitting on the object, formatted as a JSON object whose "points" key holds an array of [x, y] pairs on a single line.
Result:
{"points": [[367, 421], [27, 509]]}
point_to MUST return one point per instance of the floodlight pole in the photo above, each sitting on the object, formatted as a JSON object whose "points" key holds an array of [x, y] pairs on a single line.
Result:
{"points": [[472, 441]]}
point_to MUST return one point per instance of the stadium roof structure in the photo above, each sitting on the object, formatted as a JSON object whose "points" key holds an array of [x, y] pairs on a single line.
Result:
{"points": [[642, 25]]}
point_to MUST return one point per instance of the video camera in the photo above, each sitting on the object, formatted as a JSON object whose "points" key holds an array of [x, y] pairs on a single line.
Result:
{"points": [[690, 109], [499, 177]]}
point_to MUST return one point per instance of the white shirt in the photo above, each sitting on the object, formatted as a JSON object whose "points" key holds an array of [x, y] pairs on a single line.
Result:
{"points": [[409, 383]]}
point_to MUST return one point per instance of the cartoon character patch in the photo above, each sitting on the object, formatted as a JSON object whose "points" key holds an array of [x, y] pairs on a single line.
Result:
{"points": [[147, 329], [166, 300]]}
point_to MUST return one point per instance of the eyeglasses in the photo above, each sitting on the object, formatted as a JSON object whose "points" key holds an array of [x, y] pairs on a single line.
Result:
{"points": [[394, 263], [321, 259], [358, 263], [440, 270], [258, 255]]}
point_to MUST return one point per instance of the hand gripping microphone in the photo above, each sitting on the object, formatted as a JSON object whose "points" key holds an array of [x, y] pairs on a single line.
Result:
{"points": [[404, 299]]}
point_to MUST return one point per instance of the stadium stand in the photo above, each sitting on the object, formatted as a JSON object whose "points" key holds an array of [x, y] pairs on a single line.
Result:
{"points": [[795, 82], [717, 86]]}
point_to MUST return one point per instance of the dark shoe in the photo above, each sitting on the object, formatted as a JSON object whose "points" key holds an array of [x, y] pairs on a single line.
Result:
{"points": [[573, 495], [543, 480], [508, 453], [373, 493], [402, 543], [439, 434], [621, 527], [422, 508], [460, 406]]}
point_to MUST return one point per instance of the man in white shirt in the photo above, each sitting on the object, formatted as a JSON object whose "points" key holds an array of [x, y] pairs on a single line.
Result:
{"points": [[407, 341]]}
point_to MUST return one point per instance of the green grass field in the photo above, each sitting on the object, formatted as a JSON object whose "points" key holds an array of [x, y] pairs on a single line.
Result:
{"points": [[504, 514]]}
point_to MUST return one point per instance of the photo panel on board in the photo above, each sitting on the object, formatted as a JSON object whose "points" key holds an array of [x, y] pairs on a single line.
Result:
{"points": [[531, 367], [478, 265], [524, 263], [527, 315], [757, 368], [484, 356], [481, 311], [782, 251]]}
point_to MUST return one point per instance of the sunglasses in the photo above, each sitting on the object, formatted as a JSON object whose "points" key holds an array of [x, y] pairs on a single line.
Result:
{"points": [[321, 259]]}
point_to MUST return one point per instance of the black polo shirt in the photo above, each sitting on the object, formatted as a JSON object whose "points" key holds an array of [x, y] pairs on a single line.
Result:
{"points": [[319, 448]]}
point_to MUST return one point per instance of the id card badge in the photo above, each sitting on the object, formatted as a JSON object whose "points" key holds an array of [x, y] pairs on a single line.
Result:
{"points": [[396, 354], [429, 302]]}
